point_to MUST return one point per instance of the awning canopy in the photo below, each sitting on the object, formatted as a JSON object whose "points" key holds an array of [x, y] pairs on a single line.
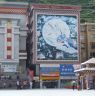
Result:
{"points": [[90, 61], [85, 69]]}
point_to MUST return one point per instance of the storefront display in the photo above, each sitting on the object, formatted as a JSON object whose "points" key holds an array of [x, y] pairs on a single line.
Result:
{"points": [[67, 75], [49, 77]]}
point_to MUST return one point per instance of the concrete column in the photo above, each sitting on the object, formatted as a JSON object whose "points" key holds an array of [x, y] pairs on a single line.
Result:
{"points": [[59, 83], [82, 82], [87, 82]]}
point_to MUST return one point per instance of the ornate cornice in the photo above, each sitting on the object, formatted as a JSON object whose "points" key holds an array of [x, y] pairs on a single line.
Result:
{"points": [[12, 10], [55, 7]]}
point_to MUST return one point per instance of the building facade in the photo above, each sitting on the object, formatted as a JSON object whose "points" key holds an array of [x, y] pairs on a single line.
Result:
{"points": [[12, 38], [54, 51], [21, 48], [53, 39], [86, 74], [87, 38]]}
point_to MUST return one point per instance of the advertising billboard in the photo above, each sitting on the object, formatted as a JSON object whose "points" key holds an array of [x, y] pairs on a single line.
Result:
{"points": [[57, 36], [67, 70], [49, 73]]}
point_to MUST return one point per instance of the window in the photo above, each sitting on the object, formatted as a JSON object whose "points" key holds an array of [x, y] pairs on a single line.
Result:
{"points": [[83, 46], [93, 36], [83, 28], [92, 54], [92, 45]]}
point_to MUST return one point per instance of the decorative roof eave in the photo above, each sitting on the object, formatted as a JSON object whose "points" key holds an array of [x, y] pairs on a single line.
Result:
{"points": [[90, 61], [54, 6], [85, 69]]}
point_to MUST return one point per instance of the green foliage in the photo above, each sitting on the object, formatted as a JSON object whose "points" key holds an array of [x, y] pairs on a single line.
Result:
{"points": [[2, 0], [32, 1], [87, 6]]}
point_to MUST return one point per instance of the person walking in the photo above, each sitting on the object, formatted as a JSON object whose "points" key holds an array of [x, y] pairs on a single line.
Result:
{"points": [[73, 84], [18, 84], [17, 77], [4, 85], [78, 84], [30, 84]]}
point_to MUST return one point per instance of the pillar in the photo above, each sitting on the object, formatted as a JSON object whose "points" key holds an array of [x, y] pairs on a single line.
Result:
{"points": [[41, 82], [82, 84], [59, 83]]}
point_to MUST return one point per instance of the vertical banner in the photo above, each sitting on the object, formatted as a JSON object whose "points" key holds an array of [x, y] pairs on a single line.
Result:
{"points": [[9, 40]]}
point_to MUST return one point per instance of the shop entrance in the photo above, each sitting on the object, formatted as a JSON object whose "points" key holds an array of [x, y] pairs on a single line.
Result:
{"points": [[66, 83], [93, 82], [50, 84]]}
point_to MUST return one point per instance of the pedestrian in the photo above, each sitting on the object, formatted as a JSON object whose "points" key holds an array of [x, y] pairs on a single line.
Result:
{"points": [[18, 78], [30, 84], [33, 84], [25, 84], [18, 84], [10, 85], [73, 84], [10, 77], [4, 85]]}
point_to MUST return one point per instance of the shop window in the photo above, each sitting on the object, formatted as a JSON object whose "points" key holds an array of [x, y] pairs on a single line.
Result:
{"points": [[93, 36]]}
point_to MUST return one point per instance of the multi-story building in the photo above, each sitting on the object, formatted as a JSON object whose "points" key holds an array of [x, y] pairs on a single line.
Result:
{"points": [[86, 72], [13, 38], [15, 56], [87, 41], [53, 39]]}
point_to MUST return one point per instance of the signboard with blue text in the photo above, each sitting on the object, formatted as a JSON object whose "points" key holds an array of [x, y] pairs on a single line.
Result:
{"points": [[67, 70]]}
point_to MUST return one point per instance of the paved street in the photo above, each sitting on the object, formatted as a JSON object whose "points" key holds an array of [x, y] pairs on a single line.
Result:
{"points": [[49, 92]]}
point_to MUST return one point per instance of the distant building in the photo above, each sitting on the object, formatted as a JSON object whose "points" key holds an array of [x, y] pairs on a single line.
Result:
{"points": [[87, 37]]}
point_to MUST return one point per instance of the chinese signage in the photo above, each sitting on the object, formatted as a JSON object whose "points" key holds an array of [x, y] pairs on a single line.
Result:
{"points": [[67, 70], [49, 73], [9, 67]]}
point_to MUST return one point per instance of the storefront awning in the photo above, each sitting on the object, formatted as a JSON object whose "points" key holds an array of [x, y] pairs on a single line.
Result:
{"points": [[68, 77], [85, 69], [90, 61]]}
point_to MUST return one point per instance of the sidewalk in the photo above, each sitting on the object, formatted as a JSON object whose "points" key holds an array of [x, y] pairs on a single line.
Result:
{"points": [[47, 92]]}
